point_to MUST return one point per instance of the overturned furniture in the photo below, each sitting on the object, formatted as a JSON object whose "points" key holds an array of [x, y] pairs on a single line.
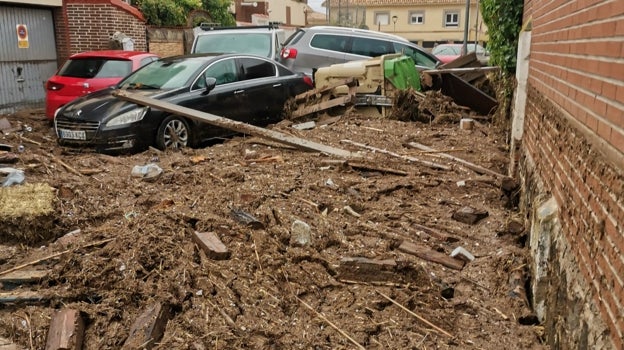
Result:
{"points": [[378, 81]]}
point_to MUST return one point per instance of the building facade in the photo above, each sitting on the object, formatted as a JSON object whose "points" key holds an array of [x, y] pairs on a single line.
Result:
{"points": [[425, 22], [568, 142]]}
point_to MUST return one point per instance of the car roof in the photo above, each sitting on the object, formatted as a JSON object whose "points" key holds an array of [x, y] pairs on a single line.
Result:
{"points": [[111, 54], [347, 30], [213, 30]]}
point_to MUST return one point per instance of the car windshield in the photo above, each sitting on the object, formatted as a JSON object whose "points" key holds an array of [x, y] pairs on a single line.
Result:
{"points": [[250, 43], [95, 68], [163, 74]]}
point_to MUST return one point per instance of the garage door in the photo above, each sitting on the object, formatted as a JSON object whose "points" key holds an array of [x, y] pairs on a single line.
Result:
{"points": [[27, 56]]}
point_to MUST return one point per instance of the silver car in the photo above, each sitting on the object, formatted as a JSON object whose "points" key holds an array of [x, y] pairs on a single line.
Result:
{"points": [[265, 41], [311, 48]]}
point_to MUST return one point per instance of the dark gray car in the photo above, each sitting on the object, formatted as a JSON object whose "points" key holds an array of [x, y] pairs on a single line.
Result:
{"points": [[311, 48]]}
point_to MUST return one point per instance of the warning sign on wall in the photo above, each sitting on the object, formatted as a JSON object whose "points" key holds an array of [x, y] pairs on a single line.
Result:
{"points": [[22, 36]]}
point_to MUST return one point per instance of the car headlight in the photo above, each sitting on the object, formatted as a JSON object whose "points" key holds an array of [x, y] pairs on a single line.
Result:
{"points": [[129, 117]]}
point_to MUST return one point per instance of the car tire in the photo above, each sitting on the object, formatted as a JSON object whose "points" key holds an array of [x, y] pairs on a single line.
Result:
{"points": [[174, 133]]}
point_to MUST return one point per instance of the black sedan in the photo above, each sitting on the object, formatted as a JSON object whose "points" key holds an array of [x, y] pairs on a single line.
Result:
{"points": [[245, 88]]}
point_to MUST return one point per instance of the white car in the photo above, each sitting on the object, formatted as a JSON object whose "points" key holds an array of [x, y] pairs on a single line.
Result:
{"points": [[265, 41]]}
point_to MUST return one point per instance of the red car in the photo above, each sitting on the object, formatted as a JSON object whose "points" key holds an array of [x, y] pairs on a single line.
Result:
{"points": [[86, 72]]}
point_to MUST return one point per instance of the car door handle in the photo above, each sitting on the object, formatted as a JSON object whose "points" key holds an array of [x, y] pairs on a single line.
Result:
{"points": [[238, 91], [277, 85]]}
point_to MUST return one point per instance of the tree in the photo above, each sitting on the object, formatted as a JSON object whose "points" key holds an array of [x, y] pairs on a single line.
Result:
{"points": [[219, 11], [175, 12]]}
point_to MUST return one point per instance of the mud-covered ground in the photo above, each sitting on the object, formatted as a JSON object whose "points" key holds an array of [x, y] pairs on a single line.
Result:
{"points": [[273, 291]]}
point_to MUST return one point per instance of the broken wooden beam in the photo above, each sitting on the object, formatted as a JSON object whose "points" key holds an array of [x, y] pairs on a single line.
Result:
{"points": [[408, 158], [211, 245], [148, 328], [21, 297], [462, 70], [325, 88], [232, 124], [23, 277], [476, 168], [428, 254], [66, 330]]}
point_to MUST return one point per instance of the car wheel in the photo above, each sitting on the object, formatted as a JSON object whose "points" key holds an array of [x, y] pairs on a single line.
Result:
{"points": [[174, 132]]}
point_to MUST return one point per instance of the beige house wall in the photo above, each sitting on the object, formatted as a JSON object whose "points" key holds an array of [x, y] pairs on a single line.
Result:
{"points": [[277, 12], [431, 30]]}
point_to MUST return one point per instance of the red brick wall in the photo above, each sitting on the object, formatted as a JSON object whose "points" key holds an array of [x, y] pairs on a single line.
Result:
{"points": [[84, 25], [574, 141]]}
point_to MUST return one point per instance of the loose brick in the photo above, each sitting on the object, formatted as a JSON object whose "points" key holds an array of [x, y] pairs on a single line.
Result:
{"points": [[211, 245], [148, 328]]}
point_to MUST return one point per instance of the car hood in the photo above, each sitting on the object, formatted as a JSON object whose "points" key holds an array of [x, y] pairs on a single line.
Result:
{"points": [[102, 105]]}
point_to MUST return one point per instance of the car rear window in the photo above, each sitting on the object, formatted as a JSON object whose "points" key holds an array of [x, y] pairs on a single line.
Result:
{"points": [[95, 68], [249, 43]]}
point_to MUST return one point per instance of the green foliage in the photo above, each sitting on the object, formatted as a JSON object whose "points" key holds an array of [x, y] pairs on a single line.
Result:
{"points": [[175, 12], [504, 20], [219, 11]]}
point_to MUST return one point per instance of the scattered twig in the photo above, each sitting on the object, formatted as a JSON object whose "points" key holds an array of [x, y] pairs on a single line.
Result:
{"points": [[67, 166], [502, 314], [330, 323], [30, 140], [411, 159], [440, 330], [52, 256], [475, 283], [347, 209], [216, 177]]}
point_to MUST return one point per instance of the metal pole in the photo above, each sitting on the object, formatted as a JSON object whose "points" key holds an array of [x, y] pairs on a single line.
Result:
{"points": [[465, 46], [477, 27]]}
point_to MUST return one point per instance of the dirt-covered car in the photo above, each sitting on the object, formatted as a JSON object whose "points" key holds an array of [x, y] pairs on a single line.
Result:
{"points": [[246, 88]]}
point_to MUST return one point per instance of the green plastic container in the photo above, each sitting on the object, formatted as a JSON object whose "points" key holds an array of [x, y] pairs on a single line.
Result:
{"points": [[402, 73]]}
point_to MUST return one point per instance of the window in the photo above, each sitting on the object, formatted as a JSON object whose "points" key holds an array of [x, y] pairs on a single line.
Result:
{"points": [[329, 42], [451, 19], [417, 18], [370, 47], [224, 71], [419, 57], [382, 18], [255, 68]]}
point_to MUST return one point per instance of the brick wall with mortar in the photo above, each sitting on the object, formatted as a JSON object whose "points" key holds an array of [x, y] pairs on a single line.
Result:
{"points": [[573, 151], [84, 25]]}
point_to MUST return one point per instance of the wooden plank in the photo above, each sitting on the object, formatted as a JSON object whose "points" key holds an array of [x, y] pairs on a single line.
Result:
{"points": [[343, 100], [148, 328], [476, 168], [24, 276], [428, 254], [211, 245], [232, 124], [22, 296], [66, 331], [408, 158], [6, 344]]}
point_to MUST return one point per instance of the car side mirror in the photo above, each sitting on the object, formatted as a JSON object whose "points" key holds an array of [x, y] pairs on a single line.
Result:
{"points": [[210, 84]]}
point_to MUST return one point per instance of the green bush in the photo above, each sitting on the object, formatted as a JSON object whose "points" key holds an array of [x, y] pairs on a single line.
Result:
{"points": [[504, 20]]}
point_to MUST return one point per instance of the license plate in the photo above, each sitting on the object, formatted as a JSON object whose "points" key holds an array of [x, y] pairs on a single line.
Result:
{"points": [[72, 134]]}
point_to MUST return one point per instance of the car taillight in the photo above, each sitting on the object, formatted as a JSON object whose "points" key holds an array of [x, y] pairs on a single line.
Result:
{"points": [[289, 53], [308, 80], [54, 86]]}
